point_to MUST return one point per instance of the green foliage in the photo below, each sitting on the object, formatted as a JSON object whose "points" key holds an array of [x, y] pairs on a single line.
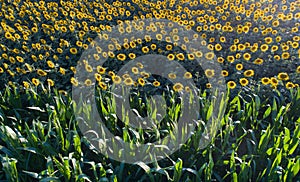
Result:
{"points": [[258, 140]]}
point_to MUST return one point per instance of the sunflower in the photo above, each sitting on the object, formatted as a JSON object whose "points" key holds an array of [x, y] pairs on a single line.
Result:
{"points": [[233, 48], [50, 82], [289, 85], [156, 83], [264, 47], [88, 68], [209, 73], [88, 82], [285, 55], [74, 81], [102, 85], [274, 48], [220, 60], [172, 75], [230, 58], [26, 84], [50, 64], [247, 56], [116, 79], [231, 84], [35, 81], [274, 81], [265, 80], [208, 85], [239, 66], [283, 76], [141, 81], [101, 70], [244, 81], [188, 75], [209, 55], [258, 61], [73, 50], [121, 57], [128, 81], [41, 72], [135, 70], [298, 69], [191, 56], [268, 40], [177, 87], [198, 54], [180, 56], [131, 55], [20, 59], [98, 77], [249, 73], [224, 73], [145, 49], [218, 47], [62, 71]]}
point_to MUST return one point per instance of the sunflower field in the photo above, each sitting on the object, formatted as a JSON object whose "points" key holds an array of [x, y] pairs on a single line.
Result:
{"points": [[237, 69]]}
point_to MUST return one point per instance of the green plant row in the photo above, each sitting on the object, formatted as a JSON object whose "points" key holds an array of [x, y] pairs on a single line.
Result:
{"points": [[258, 141]]}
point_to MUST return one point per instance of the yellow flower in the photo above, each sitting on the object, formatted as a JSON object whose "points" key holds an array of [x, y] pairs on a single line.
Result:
{"points": [[177, 87], [209, 55], [26, 84], [35, 81], [74, 81], [298, 69], [218, 47], [50, 64], [20, 59], [171, 57], [265, 80], [50, 82], [103, 85], [135, 70], [231, 84], [41, 72], [62, 71], [156, 83], [145, 49], [121, 57], [230, 59], [285, 55], [274, 81], [208, 85], [244, 81], [98, 77], [128, 81], [88, 68], [249, 73], [209, 73], [239, 66], [88, 82], [289, 85], [172, 75], [101, 70], [224, 73], [116, 79], [180, 56], [283, 76], [258, 61], [141, 81], [264, 47], [132, 55], [188, 75], [73, 50], [247, 56]]}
